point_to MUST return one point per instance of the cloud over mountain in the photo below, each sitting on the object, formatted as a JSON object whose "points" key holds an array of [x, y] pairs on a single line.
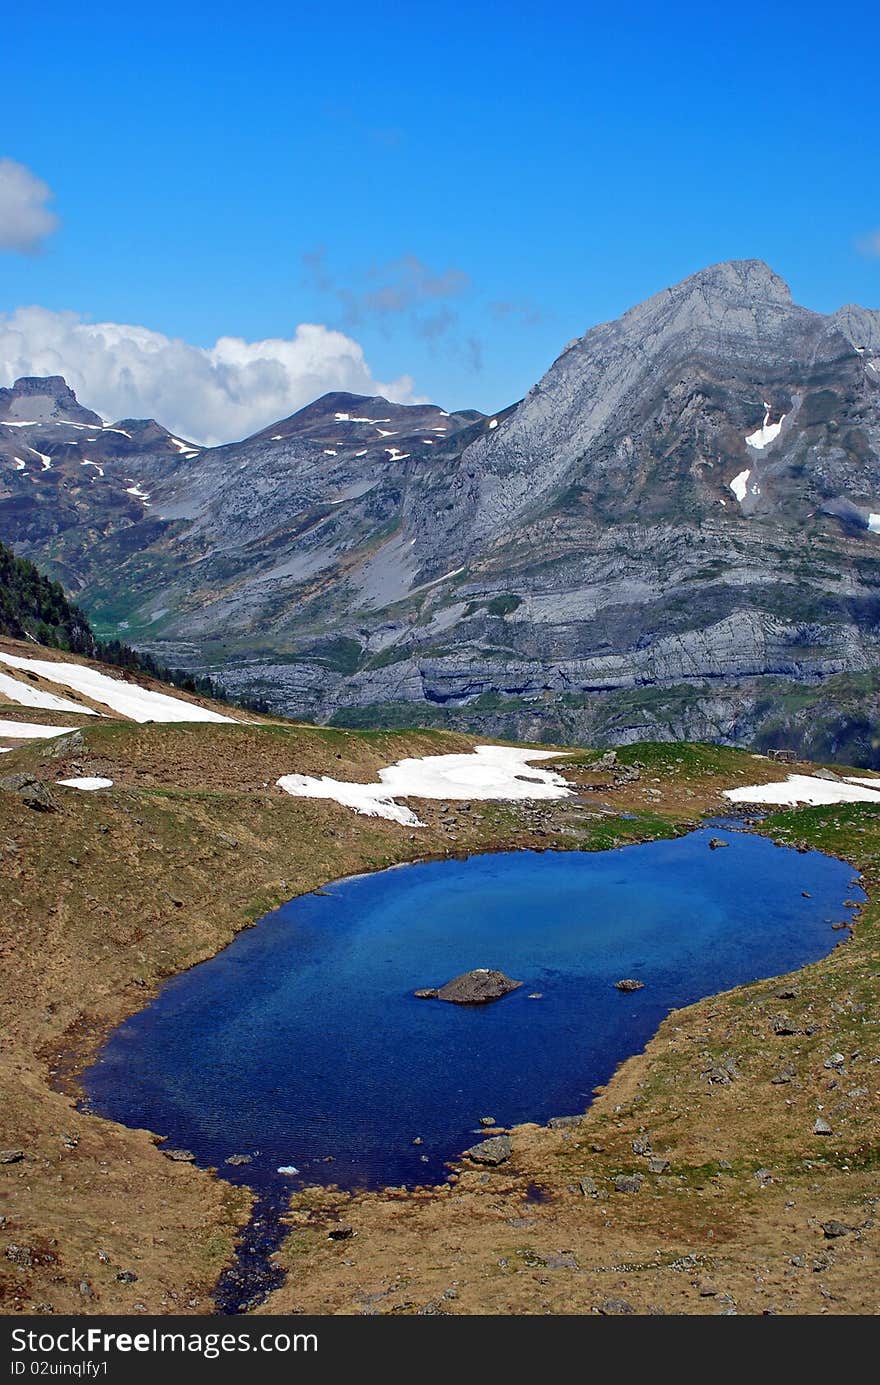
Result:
{"points": [[209, 394]]}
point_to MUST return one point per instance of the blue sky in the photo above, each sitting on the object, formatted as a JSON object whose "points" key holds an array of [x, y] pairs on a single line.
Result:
{"points": [[459, 188]]}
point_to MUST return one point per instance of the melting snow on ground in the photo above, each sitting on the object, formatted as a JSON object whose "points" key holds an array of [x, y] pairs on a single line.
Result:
{"points": [[130, 700], [874, 523], [804, 788], [26, 696], [30, 731], [767, 433], [493, 423], [87, 782], [140, 494], [491, 772], [19, 464], [740, 485], [99, 469], [47, 461], [183, 447]]}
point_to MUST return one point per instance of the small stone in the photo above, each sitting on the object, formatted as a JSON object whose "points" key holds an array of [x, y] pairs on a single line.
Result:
{"points": [[126, 1277], [564, 1122], [782, 1025], [642, 1145], [418, 1140], [822, 1127], [706, 1290], [588, 1187], [487, 1120], [764, 1177], [836, 1060], [11, 1156], [658, 1164]]}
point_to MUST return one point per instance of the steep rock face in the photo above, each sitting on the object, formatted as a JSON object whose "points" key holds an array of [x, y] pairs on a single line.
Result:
{"points": [[688, 500]]}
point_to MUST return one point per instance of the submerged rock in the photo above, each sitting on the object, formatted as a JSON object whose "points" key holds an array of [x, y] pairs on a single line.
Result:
{"points": [[476, 987], [628, 984]]}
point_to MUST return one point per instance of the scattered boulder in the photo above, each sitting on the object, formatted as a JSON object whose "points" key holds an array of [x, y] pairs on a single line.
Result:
{"points": [[822, 1127], [11, 1156], [716, 842], [834, 1229], [589, 1187], [126, 1277], [612, 1307], [475, 987], [628, 1182], [180, 1156], [827, 774], [493, 1151], [31, 791], [341, 1233], [564, 1122], [628, 984], [657, 1164], [782, 757]]}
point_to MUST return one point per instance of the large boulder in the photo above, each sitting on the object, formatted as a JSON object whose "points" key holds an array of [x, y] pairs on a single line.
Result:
{"points": [[31, 791], [476, 987]]}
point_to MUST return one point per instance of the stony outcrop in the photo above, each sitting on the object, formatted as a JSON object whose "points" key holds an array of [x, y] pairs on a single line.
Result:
{"points": [[477, 987]]}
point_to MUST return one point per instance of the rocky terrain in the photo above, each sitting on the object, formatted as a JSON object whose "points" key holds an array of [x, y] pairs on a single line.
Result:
{"points": [[676, 533]]}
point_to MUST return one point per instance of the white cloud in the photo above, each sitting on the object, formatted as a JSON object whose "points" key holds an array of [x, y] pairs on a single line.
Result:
{"points": [[209, 394], [870, 244], [24, 217]]}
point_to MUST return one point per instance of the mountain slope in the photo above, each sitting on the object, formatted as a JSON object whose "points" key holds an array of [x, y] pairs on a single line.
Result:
{"points": [[673, 527]]}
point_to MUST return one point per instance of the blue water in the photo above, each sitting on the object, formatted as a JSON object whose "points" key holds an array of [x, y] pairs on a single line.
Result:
{"points": [[301, 1043]]}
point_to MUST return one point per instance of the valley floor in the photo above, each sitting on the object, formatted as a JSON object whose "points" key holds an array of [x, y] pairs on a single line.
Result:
{"points": [[121, 889]]}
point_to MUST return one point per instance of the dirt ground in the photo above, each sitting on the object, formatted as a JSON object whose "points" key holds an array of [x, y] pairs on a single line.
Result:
{"points": [[116, 891]]}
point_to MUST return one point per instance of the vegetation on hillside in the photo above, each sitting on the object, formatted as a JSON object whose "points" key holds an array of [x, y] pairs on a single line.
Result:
{"points": [[34, 607]]}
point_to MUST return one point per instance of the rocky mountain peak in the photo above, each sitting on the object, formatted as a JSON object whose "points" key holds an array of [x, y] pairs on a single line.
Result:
{"points": [[43, 399]]}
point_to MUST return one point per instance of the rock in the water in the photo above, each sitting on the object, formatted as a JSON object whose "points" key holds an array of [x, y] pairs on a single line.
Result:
{"points": [[472, 988], [31, 791], [236, 1159], [716, 842], [628, 984], [426, 993], [492, 1151]]}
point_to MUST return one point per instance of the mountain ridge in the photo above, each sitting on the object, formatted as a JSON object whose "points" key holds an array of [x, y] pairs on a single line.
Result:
{"points": [[679, 512]]}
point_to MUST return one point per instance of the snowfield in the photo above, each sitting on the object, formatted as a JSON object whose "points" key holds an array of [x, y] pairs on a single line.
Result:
{"points": [[30, 731], [26, 696], [129, 700], [491, 772], [804, 788]]}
